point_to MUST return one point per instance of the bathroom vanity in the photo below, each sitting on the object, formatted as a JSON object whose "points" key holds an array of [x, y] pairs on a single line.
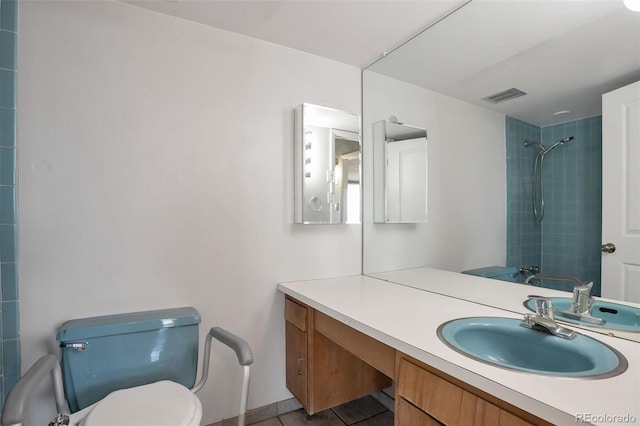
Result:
{"points": [[348, 337]]}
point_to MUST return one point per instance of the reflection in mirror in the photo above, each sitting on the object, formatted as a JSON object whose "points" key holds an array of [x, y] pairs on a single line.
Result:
{"points": [[400, 152], [480, 169], [326, 166]]}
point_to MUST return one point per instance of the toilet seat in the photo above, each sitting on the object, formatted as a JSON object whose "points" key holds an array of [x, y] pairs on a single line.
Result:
{"points": [[162, 403]]}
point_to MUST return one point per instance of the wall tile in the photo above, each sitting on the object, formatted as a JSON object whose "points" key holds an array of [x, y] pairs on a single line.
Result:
{"points": [[8, 45], [9, 15], [7, 89], [7, 243], [9, 280], [10, 320], [11, 358], [7, 127], [7, 205], [7, 166], [9, 382]]}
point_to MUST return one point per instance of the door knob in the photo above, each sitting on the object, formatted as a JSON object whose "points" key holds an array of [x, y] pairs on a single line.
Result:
{"points": [[608, 248]]}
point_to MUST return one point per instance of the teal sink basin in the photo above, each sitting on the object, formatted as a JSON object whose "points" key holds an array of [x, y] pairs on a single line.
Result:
{"points": [[502, 342], [615, 316]]}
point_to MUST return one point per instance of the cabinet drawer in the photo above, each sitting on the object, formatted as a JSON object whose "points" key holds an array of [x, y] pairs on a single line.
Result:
{"points": [[408, 415], [447, 402], [296, 314], [438, 397]]}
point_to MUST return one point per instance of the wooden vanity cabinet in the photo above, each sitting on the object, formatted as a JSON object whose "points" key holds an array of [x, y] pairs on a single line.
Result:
{"points": [[329, 363], [426, 396], [321, 373]]}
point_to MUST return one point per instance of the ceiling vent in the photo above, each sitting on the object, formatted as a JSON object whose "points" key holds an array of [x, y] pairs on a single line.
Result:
{"points": [[505, 95]]}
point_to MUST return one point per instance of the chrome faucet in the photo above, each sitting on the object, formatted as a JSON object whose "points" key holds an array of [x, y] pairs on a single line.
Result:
{"points": [[581, 302], [543, 319], [581, 305]]}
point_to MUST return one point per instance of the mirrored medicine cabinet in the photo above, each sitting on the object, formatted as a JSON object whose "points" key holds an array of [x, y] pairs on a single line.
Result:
{"points": [[400, 172], [326, 165]]}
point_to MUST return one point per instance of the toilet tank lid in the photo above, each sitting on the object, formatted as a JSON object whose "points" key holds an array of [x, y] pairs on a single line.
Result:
{"points": [[133, 322]]}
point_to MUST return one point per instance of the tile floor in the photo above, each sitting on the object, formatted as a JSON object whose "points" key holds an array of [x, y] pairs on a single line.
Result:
{"points": [[361, 412]]}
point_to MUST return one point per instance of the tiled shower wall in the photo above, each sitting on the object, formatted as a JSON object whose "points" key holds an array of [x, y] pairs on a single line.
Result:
{"points": [[568, 239], [10, 335], [524, 236], [572, 226]]}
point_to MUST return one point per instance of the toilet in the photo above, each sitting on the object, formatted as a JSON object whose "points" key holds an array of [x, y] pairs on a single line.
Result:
{"points": [[502, 273], [135, 368]]}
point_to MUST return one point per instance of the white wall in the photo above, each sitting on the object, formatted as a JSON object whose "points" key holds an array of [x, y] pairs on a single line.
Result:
{"points": [[154, 172], [466, 154]]}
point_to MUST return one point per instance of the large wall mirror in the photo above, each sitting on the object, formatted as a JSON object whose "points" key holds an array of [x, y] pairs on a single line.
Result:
{"points": [[511, 94]]}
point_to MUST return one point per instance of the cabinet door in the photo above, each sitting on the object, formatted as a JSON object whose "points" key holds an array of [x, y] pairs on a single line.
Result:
{"points": [[296, 362]]}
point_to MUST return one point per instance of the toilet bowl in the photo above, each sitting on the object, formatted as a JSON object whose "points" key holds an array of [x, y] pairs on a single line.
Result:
{"points": [[156, 404]]}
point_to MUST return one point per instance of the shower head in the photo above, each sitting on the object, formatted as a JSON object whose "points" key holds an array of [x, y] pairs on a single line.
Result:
{"points": [[544, 150], [560, 142], [564, 140]]}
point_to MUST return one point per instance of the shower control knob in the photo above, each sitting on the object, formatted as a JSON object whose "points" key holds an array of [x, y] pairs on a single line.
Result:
{"points": [[608, 248]]}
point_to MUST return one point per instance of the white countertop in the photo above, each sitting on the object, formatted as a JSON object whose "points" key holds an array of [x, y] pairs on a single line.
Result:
{"points": [[406, 318], [486, 291]]}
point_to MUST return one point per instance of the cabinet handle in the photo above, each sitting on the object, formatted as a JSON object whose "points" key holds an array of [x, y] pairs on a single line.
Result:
{"points": [[300, 369]]}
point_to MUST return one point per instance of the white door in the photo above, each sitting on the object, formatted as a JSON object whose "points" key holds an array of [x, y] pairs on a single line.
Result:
{"points": [[621, 193]]}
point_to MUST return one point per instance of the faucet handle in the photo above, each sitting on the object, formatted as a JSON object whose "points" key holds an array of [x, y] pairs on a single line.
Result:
{"points": [[582, 300], [544, 305], [585, 288]]}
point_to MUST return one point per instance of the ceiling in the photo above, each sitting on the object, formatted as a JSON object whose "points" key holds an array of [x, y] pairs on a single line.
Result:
{"points": [[563, 53], [354, 32]]}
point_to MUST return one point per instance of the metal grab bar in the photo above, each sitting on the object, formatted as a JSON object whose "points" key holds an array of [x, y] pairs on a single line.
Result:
{"points": [[245, 358], [15, 406]]}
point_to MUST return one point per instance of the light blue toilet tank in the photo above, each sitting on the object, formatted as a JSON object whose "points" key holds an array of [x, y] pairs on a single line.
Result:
{"points": [[126, 350], [502, 273]]}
